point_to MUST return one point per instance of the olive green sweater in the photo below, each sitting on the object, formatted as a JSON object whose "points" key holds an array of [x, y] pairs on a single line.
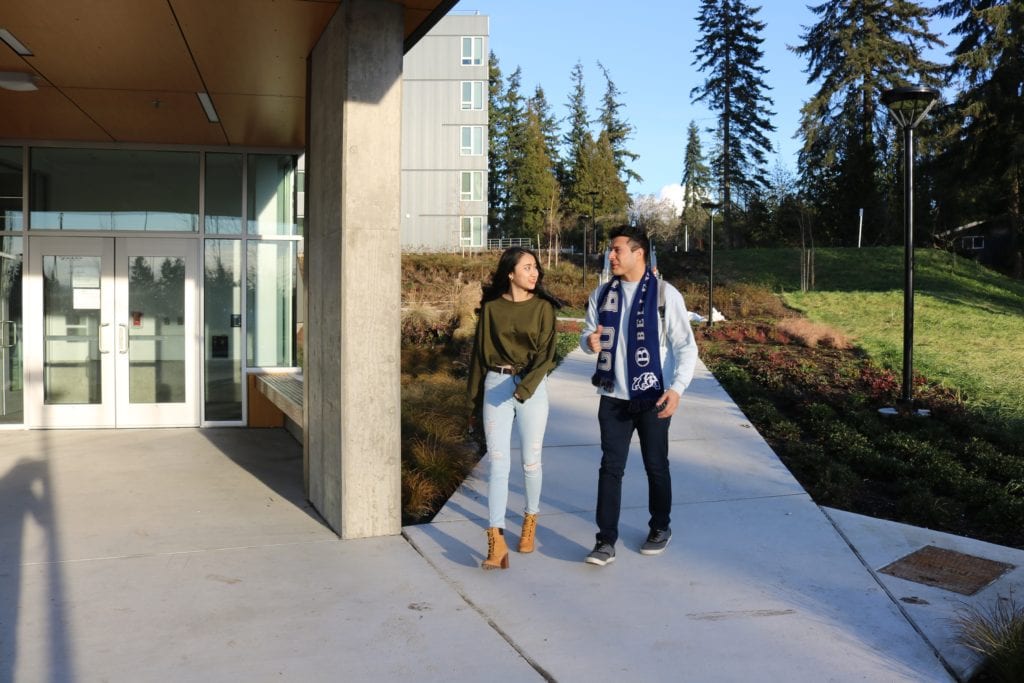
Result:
{"points": [[520, 334]]}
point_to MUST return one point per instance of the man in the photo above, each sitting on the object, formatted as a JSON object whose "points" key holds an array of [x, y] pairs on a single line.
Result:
{"points": [[638, 326]]}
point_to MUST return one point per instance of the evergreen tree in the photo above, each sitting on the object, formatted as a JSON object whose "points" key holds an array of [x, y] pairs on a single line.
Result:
{"points": [[497, 162], [534, 187], [730, 51], [512, 110], [856, 49], [598, 188], [548, 124], [574, 139], [987, 140], [619, 130], [696, 182]]}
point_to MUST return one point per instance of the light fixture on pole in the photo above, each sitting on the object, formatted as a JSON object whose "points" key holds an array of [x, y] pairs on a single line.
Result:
{"points": [[711, 207], [908, 106]]}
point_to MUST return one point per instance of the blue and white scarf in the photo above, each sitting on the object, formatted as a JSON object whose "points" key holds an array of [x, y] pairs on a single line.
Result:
{"points": [[643, 363]]}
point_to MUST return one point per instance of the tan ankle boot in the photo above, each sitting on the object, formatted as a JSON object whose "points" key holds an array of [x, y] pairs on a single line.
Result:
{"points": [[497, 551], [529, 533]]}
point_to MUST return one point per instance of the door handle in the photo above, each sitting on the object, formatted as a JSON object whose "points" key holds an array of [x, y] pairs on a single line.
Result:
{"points": [[100, 341], [122, 339]]}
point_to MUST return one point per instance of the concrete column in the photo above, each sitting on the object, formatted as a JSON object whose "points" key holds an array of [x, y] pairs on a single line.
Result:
{"points": [[353, 428]]}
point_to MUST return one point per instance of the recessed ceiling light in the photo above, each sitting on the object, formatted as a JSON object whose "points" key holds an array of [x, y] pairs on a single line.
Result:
{"points": [[14, 43], [17, 80], [211, 113]]}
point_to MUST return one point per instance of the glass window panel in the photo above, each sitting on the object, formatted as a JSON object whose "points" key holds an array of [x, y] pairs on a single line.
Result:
{"points": [[270, 304], [71, 327], [10, 188], [11, 348], [224, 194], [156, 331], [223, 329], [271, 194], [113, 189], [472, 140], [472, 231], [472, 50], [473, 95], [472, 186]]}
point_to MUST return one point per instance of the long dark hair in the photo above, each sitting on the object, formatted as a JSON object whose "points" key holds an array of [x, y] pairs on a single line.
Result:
{"points": [[506, 264]]}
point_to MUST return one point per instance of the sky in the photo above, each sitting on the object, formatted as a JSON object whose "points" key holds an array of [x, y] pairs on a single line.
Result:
{"points": [[647, 47]]}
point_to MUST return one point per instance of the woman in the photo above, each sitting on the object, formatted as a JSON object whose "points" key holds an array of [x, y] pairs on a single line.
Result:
{"points": [[513, 352]]}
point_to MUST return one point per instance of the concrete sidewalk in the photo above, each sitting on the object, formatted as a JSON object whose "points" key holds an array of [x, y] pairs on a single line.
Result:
{"points": [[184, 555]]}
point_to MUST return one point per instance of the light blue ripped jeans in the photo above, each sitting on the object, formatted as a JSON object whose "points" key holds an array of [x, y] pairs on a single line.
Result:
{"points": [[500, 411]]}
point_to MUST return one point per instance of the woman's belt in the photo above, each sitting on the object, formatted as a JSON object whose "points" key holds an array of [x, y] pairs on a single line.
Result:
{"points": [[504, 369]]}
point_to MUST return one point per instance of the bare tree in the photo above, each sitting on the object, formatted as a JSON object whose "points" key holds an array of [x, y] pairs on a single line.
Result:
{"points": [[659, 217]]}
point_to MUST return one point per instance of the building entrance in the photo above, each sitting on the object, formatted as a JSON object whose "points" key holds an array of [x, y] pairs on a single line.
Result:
{"points": [[111, 332]]}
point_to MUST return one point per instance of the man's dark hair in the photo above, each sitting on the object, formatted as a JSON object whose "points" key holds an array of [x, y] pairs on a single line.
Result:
{"points": [[637, 238]]}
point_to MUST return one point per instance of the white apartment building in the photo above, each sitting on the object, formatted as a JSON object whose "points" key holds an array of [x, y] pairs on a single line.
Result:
{"points": [[444, 137]]}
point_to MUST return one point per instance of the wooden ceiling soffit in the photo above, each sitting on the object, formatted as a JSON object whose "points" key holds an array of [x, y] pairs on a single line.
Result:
{"points": [[45, 114], [150, 116], [119, 45], [253, 47], [262, 121]]}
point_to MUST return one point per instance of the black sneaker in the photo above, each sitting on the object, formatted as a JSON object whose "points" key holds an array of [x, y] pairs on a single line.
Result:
{"points": [[602, 554], [656, 542]]}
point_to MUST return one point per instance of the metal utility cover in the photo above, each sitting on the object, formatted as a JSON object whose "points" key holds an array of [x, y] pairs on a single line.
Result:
{"points": [[947, 569]]}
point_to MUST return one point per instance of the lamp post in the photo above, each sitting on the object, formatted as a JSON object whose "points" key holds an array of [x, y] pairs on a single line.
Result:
{"points": [[908, 106], [710, 207]]}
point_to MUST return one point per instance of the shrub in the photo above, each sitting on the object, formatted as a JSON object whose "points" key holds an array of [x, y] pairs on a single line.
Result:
{"points": [[424, 324]]}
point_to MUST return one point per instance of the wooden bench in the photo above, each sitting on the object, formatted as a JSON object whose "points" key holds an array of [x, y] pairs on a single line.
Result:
{"points": [[274, 396]]}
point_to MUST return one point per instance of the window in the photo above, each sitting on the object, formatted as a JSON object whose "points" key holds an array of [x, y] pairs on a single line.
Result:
{"points": [[114, 189], [472, 231], [472, 140], [473, 95], [271, 194], [224, 194], [472, 186], [223, 328], [270, 303], [10, 188], [472, 50]]}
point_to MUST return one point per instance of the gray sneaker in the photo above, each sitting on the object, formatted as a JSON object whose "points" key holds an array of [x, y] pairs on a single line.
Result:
{"points": [[656, 542], [602, 554]]}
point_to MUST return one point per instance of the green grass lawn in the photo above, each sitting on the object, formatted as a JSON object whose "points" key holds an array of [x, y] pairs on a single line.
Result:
{"points": [[968, 321]]}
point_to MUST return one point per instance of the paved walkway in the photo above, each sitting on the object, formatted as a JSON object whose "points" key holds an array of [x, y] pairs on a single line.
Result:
{"points": [[183, 555]]}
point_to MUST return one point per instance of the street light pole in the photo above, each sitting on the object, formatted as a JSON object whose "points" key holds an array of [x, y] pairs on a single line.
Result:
{"points": [[908, 106], [710, 207]]}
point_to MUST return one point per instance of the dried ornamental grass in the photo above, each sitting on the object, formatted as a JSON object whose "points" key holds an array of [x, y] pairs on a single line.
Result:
{"points": [[998, 634], [813, 335]]}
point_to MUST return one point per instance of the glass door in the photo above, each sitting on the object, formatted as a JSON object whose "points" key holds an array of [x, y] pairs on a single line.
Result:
{"points": [[156, 335], [11, 392], [110, 321]]}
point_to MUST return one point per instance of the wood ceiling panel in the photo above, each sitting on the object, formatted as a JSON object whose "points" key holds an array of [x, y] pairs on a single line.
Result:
{"points": [[262, 120], [254, 47], [45, 114], [148, 116], [11, 61], [114, 44], [114, 57]]}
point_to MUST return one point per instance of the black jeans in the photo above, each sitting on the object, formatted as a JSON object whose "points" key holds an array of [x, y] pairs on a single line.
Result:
{"points": [[617, 426]]}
